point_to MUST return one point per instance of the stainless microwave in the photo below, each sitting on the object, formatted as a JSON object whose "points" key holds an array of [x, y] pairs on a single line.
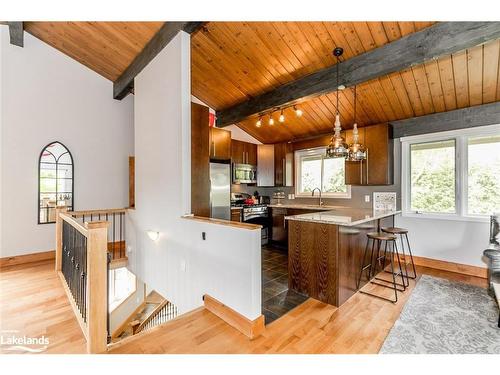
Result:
{"points": [[244, 174]]}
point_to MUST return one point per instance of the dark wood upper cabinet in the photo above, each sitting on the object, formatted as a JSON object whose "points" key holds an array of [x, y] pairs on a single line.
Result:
{"points": [[200, 161], [220, 144], [378, 168], [237, 151], [243, 152], [283, 164], [251, 153]]}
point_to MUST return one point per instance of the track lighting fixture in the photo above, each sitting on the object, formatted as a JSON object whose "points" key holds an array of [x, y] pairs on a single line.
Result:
{"points": [[259, 122], [271, 120], [298, 111], [282, 117]]}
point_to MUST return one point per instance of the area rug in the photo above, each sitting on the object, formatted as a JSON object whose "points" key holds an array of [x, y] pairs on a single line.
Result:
{"points": [[445, 317]]}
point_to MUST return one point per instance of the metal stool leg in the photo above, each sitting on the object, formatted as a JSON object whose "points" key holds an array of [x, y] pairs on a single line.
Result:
{"points": [[411, 258], [400, 273], [363, 267], [394, 284]]}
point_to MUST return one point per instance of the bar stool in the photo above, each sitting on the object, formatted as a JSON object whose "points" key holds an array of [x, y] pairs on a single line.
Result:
{"points": [[403, 232], [381, 238]]}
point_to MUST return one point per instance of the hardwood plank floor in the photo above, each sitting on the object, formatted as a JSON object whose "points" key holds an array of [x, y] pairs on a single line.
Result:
{"points": [[33, 302]]}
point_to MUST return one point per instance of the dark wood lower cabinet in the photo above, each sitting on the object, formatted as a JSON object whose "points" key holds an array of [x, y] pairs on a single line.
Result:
{"points": [[324, 260], [236, 215]]}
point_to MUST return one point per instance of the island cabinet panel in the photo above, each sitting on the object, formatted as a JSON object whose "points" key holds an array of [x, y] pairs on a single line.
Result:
{"points": [[313, 260], [351, 244]]}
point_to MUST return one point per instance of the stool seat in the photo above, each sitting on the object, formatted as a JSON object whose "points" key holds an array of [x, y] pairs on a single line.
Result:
{"points": [[395, 230], [381, 236]]}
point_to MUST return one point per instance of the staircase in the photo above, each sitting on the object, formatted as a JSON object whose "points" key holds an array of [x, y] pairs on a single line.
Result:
{"points": [[154, 311]]}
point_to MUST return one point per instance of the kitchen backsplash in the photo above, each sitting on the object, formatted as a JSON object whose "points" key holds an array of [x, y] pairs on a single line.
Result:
{"points": [[357, 199]]}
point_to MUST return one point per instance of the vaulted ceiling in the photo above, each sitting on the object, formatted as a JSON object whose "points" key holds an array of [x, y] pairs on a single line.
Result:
{"points": [[235, 61]]}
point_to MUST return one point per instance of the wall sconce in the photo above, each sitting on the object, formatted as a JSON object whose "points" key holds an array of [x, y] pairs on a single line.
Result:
{"points": [[153, 235]]}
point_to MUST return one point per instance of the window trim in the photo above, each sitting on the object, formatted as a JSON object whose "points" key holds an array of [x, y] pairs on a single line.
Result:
{"points": [[313, 151], [72, 180], [461, 171]]}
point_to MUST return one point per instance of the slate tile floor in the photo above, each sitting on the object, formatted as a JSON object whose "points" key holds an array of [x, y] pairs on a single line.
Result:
{"points": [[277, 300]]}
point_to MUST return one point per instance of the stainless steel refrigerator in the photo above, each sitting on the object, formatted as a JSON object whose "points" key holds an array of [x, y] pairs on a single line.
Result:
{"points": [[220, 191]]}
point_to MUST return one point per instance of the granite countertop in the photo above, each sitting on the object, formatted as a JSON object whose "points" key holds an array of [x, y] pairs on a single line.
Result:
{"points": [[343, 216], [300, 206]]}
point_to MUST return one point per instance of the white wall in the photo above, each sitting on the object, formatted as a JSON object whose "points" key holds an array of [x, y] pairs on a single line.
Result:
{"points": [[449, 240], [47, 97], [180, 265]]}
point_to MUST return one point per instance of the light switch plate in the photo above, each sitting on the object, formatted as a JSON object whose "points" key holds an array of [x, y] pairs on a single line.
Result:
{"points": [[367, 198]]}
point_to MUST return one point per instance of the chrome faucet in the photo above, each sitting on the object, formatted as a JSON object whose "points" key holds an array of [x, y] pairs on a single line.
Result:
{"points": [[320, 200]]}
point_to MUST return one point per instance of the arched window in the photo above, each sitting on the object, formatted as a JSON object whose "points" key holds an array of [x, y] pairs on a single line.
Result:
{"points": [[55, 181]]}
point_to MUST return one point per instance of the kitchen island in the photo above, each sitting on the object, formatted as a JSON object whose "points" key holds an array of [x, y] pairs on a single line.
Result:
{"points": [[325, 250]]}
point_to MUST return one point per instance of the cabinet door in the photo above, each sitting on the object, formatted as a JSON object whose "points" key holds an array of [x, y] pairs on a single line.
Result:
{"points": [[220, 144], [237, 151], [278, 230], [283, 164], [236, 215], [251, 153], [379, 162], [377, 169], [265, 165]]}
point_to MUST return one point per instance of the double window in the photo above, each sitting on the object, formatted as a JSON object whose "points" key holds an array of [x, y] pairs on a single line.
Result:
{"points": [[454, 175], [313, 170]]}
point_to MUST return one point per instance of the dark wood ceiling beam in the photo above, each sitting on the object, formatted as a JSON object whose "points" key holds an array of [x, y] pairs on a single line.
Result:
{"points": [[125, 83], [16, 33], [480, 115], [443, 38]]}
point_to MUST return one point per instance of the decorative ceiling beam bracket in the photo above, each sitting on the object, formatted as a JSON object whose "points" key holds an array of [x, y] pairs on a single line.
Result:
{"points": [[443, 38], [125, 83]]}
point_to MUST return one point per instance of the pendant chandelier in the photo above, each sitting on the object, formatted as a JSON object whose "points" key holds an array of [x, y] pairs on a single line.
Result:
{"points": [[357, 151], [337, 148]]}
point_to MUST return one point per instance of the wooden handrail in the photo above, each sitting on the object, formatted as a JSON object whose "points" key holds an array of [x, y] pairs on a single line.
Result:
{"points": [[153, 313], [97, 212], [75, 224]]}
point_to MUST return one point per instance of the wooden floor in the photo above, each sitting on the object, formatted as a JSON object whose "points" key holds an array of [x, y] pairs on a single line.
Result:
{"points": [[33, 302]]}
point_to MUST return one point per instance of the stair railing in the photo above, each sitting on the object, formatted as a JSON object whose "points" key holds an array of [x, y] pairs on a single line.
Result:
{"points": [[164, 312], [82, 264]]}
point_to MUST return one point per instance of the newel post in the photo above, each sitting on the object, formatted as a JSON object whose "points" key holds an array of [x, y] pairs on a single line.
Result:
{"points": [[97, 285], [59, 233]]}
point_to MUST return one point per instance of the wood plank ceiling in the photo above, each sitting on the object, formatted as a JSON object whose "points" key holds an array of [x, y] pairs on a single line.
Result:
{"points": [[105, 47], [234, 61], [231, 62]]}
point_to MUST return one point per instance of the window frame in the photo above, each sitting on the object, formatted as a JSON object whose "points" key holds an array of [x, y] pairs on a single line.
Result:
{"points": [[72, 180], [298, 165], [461, 138]]}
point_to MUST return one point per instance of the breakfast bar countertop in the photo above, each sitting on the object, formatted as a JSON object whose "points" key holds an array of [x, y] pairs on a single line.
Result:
{"points": [[343, 216]]}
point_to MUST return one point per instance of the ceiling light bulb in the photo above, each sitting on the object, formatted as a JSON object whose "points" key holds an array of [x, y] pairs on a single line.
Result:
{"points": [[282, 117], [259, 122], [298, 111], [271, 121]]}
